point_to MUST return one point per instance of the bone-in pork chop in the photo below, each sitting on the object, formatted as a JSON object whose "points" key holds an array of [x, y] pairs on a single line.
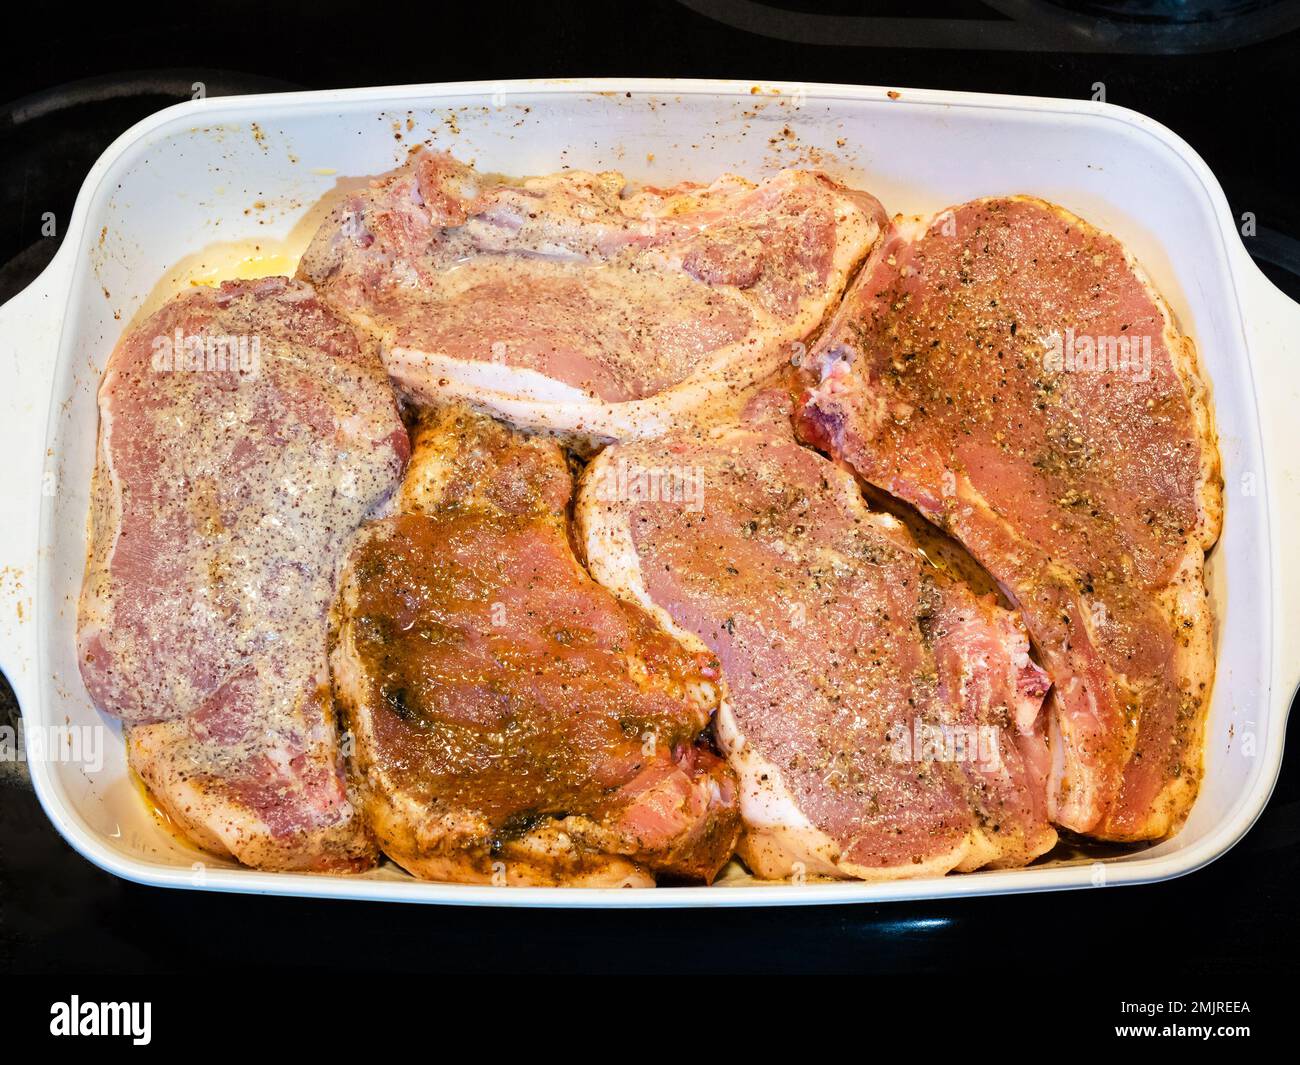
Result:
{"points": [[513, 722], [575, 304], [244, 435], [1009, 370], [884, 722]]}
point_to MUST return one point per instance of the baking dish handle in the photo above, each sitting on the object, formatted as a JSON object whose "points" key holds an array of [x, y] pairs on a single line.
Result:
{"points": [[1273, 321], [30, 326]]}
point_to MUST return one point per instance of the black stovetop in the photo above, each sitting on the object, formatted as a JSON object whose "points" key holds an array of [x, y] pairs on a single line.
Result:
{"points": [[1224, 74]]}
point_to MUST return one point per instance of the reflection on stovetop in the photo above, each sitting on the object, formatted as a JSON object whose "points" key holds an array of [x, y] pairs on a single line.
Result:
{"points": [[1139, 27]]}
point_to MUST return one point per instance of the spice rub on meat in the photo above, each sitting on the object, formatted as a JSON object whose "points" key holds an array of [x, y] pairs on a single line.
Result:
{"points": [[883, 721], [577, 304], [244, 436], [1009, 370], [715, 646], [513, 722]]}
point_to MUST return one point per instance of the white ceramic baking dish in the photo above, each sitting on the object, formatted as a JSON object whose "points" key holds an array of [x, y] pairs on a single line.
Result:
{"points": [[221, 185]]}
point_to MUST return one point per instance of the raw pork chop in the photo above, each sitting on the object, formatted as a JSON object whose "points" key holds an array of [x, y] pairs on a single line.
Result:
{"points": [[244, 435], [572, 303], [514, 723], [884, 722], [1009, 370]]}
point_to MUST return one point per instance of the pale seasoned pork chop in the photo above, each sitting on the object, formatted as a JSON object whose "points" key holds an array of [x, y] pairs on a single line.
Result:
{"points": [[575, 304], [513, 722], [1009, 370], [244, 435], [883, 721]]}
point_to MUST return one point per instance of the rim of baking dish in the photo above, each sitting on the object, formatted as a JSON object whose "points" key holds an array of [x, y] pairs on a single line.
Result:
{"points": [[1073, 875]]}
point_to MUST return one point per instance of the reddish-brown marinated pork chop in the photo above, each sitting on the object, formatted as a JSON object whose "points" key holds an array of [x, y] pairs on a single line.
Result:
{"points": [[244, 435], [883, 721], [513, 722], [572, 303], [1009, 370]]}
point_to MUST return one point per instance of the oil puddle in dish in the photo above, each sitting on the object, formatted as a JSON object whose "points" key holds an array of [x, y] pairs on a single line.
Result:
{"points": [[159, 816], [223, 261], [241, 260]]}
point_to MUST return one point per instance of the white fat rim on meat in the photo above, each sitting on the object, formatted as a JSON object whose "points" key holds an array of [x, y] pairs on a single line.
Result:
{"points": [[531, 400], [477, 378]]}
